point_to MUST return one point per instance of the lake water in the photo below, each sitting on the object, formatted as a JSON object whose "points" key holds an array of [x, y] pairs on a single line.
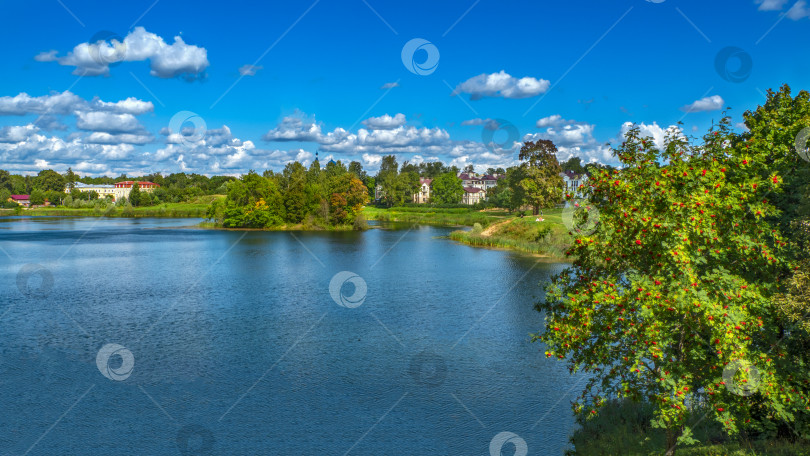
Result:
{"points": [[231, 343]]}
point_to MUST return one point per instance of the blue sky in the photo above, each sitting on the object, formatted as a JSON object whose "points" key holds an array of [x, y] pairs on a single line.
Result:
{"points": [[507, 71]]}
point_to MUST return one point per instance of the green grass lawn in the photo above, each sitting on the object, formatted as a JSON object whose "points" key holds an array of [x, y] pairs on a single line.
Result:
{"points": [[549, 237], [435, 216]]}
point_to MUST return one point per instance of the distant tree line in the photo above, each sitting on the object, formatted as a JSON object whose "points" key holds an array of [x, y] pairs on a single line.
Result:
{"points": [[50, 185]]}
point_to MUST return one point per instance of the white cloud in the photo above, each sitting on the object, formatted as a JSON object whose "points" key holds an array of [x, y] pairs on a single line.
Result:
{"points": [[166, 60], [102, 137], [771, 5], [502, 85], [390, 85], [712, 103], [107, 121], [385, 122], [370, 160], [56, 103], [249, 70], [555, 120], [295, 128], [15, 134], [798, 11], [66, 103], [489, 124], [131, 105]]}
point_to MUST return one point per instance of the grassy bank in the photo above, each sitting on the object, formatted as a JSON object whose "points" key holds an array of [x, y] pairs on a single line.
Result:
{"points": [[624, 428], [191, 209], [548, 237], [435, 216]]}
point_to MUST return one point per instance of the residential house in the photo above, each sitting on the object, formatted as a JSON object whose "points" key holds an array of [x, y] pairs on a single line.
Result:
{"points": [[572, 181], [423, 196], [22, 200], [483, 183], [473, 195]]}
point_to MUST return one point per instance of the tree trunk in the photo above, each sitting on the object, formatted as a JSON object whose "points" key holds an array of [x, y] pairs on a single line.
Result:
{"points": [[535, 210], [672, 440]]}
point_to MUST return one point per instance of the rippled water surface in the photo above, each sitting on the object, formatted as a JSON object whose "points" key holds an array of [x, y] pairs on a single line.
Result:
{"points": [[237, 347]]}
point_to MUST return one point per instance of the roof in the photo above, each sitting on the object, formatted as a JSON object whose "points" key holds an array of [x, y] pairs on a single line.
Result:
{"points": [[489, 177], [425, 180], [83, 185], [473, 189], [570, 174], [20, 197], [465, 176], [133, 182]]}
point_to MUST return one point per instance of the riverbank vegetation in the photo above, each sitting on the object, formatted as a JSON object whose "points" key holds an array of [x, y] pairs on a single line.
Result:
{"points": [[547, 237], [687, 295], [296, 198]]}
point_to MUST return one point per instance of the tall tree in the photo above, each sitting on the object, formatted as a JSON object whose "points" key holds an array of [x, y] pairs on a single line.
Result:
{"points": [[446, 189], [6, 181], [542, 182], [670, 296], [356, 168], [49, 180], [574, 164], [135, 195], [70, 179], [387, 179]]}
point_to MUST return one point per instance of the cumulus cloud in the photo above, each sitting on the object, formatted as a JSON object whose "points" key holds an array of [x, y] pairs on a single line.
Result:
{"points": [[390, 85], [66, 103], [385, 122], [165, 60], [131, 105], [713, 103], [249, 70], [56, 103], [502, 85], [555, 120], [103, 137], [108, 122], [295, 128]]}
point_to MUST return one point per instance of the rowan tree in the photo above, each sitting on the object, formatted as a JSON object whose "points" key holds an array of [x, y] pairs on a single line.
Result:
{"points": [[669, 297]]}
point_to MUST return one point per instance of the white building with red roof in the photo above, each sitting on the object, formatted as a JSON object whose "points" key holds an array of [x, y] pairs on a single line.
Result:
{"points": [[123, 188], [473, 195]]}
